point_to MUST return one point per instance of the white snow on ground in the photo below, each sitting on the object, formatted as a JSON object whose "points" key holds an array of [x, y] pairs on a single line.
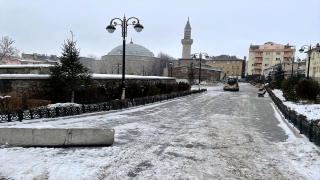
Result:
{"points": [[63, 105], [303, 154], [137, 137], [311, 111]]}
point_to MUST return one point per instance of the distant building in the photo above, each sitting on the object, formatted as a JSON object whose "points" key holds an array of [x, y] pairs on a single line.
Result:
{"points": [[231, 66], [39, 59], [181, 68], [314, 70], [265, 56], [138, 61], [187, 41]]}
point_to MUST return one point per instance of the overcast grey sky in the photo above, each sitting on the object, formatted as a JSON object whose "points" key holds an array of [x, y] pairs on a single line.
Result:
{"points": [[218, 26]]}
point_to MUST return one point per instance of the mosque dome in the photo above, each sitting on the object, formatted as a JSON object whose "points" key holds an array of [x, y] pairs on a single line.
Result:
{"points": [[132, 50]]}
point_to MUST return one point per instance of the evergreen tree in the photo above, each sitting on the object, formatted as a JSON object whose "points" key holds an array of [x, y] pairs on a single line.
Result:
{"points": [[191, 74], [70, 74], [278, 77]]}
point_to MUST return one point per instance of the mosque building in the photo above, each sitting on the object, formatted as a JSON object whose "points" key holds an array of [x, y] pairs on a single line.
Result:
{"points": [[138, 61], [141, 61]]}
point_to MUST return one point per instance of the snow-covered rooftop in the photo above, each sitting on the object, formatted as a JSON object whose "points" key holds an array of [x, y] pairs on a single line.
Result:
{"points": [[94, 76], [25, 65]]}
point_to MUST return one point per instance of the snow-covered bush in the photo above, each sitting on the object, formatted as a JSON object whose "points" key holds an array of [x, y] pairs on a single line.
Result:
{"points": [[308, 89]]}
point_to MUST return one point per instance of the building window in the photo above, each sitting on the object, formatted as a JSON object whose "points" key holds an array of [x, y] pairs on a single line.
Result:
{"points": [[266, 65], [233, 62], [265, 47], [232, 67], [119, 51], [266, 59], [253, 59], [278, 53], [278, 59], [267, 53]]}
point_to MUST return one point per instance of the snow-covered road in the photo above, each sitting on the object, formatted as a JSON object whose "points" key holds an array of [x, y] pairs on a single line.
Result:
{"points": [[212, 135]]}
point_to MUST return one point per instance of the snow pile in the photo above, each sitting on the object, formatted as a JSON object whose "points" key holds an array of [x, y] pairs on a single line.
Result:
{"points": [[311, 111], [3, 97], [63, 105]]}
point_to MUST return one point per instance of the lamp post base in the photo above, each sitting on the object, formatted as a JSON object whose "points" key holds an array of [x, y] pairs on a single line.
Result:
{"points": [[123, 93]]}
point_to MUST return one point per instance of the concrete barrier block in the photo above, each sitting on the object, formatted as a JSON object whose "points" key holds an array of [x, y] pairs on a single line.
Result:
{"points": [[56, 136]]}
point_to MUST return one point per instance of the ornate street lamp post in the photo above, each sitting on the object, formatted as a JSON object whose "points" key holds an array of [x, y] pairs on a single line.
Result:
{"points": [[171, 64], [194, 56], [124, 23], [292, 63], [309, 51]]}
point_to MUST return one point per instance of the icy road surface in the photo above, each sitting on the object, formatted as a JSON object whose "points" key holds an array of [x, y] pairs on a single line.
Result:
{"points": [[212, 135]]}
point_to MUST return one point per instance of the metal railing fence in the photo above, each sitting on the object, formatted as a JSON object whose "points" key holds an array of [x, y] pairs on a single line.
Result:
{"points": [[39, 113], [306, 128]]}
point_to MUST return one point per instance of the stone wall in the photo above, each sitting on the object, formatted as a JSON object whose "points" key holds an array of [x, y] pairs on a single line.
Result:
{"points": [[24, 69], [21, 83]]}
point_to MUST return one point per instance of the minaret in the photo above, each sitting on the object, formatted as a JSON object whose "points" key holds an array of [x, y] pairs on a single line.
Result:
{"points": [[187, 41]]}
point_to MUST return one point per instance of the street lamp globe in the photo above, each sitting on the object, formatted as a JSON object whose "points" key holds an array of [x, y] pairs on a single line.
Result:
{"points": [[110, 28], [138, 27]]}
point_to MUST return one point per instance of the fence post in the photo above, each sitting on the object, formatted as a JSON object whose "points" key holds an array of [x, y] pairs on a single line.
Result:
{"points": [[57, 112], [300, 127], [31, 114], [40, 113], [20, 115], [48, 113], [311, 132], [9, 116], [104, 106], [65, 111], [83, 109]]}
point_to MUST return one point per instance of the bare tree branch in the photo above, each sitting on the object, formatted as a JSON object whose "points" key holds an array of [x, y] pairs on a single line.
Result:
{"points": [[6, 48], [92, 56], [164, 59]]}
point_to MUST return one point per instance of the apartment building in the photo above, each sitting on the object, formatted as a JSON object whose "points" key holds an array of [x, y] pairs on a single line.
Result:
{"points": [[314, 70], [231, 65], [265, 56]]}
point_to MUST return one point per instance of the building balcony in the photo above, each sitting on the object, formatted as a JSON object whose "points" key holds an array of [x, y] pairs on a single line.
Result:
{"points": [[257, 68], [286, 50], [287, 56], [258, 56], [256, 73], [257, 62]]}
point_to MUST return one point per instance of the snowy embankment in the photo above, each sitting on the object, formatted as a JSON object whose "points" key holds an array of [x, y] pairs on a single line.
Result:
{"points": [[311, 111]]}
